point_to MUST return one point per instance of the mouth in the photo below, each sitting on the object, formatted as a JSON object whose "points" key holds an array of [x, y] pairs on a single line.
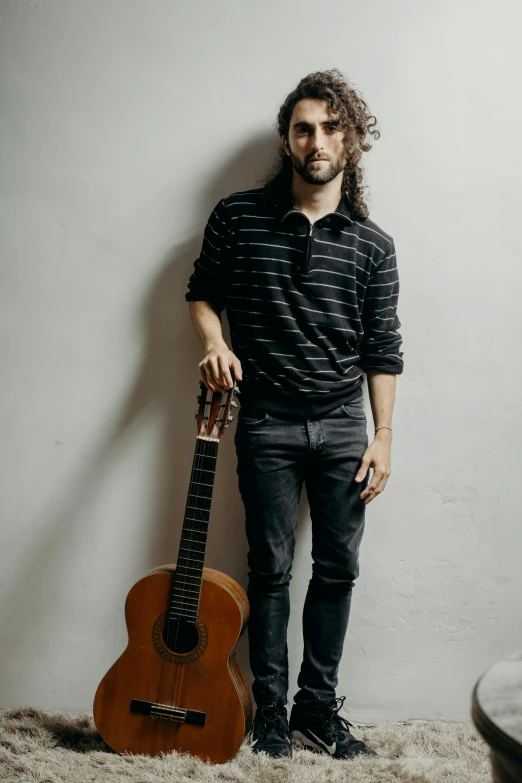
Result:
{"points": [[317, 160]]}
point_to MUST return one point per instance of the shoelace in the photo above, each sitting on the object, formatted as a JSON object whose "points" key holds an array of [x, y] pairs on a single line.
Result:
{"points": [[336, 725], [271, 717]]}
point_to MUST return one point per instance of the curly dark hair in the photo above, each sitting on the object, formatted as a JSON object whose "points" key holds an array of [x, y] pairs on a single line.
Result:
{"points": [[355, 121]]}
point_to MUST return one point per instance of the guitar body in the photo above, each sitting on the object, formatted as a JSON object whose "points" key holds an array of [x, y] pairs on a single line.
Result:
{"points": [[203, 682]]}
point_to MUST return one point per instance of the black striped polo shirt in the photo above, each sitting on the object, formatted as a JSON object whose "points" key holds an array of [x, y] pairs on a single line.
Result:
{"points": [[310, 306]]}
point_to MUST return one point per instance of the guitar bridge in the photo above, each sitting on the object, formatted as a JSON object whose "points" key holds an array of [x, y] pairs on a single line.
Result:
{"points": [[168, 712]]}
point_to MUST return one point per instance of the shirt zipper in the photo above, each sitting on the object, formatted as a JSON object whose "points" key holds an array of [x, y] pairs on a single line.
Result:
{"points": [[308, 250], [309, 243]]}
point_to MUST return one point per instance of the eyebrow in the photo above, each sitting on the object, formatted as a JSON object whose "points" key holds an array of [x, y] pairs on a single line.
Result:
{"points": [[308, 124]]}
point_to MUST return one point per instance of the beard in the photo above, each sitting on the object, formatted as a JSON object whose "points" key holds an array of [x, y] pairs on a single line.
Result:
{"points": [[318, 173]]}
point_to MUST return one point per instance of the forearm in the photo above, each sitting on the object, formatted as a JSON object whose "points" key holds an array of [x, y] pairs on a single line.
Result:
{"points": [[381, 388], [207, 324]]}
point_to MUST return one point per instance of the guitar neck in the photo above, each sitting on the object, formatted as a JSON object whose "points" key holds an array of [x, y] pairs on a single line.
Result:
{"points": [[186, 581]]}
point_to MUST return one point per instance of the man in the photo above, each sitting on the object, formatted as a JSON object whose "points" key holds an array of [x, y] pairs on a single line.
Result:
{"points": [[310, 285]]}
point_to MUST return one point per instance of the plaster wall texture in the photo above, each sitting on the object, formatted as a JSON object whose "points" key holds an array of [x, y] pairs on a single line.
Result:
{"points": [[122, 124]]}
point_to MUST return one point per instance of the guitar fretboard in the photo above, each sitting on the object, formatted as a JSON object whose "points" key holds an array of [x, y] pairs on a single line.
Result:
{"points": [[186, 582]]}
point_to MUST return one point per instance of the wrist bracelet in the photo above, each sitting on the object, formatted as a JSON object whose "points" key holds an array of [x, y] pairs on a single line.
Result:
{"points": [[383, 428]]}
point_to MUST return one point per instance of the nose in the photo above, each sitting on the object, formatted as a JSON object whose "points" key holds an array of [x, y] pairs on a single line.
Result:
{"points": [[318, 141]]}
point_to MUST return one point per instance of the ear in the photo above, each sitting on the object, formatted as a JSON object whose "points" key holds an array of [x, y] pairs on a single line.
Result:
{"points": [[285, 145]]}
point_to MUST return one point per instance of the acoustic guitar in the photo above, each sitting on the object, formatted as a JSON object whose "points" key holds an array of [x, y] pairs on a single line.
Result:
{"points": [[178, 685]]}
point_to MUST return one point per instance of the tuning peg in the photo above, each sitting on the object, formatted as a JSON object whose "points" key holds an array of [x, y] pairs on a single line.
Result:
{"points": [[234, 404], [236, 390], [230, 418]]}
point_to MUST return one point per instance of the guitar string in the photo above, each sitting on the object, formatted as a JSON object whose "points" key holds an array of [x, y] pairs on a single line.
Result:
{"points": [[203, 450], [166, 667], [208, 449], [212, 447], [178, 668]]}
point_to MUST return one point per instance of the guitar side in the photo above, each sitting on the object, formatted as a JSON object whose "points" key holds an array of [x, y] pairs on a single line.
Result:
{"points": [[205, 707]]}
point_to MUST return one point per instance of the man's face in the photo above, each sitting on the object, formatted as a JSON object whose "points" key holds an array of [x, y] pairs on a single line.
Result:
{"points": [[313, 133]]}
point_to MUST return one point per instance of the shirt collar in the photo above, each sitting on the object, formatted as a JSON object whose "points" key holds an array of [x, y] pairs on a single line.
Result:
{"points": [[343, 209]]}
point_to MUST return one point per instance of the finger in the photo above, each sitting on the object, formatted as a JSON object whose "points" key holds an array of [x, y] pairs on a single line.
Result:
{"points": [[374, 489], [214, 367], [204, 378], [363, 470], [208, 377], [225, 375], [238, 372], [374, 483]]}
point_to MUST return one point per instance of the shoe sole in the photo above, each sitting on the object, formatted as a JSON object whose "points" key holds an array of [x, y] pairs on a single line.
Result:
{"points": [[309, 744]]}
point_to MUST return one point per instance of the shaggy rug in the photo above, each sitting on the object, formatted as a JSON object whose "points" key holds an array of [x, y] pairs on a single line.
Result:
{"points": [[45, 747]]}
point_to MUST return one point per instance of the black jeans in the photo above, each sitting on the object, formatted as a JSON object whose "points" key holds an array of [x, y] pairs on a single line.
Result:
{"points": [[275, 455]]}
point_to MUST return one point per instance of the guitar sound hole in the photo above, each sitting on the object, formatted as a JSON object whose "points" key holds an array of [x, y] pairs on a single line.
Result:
{"points": [[180, 636]]}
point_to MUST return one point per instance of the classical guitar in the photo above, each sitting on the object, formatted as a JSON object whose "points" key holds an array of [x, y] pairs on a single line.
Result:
{"points": [[178, 686]]}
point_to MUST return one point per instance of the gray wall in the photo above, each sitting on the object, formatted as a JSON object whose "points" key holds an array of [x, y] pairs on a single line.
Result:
{"points": [[122, 124]]}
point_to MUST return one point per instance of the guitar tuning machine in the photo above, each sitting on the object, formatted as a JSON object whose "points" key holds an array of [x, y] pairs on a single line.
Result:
{"points": [[230, 418], [234, 404]]}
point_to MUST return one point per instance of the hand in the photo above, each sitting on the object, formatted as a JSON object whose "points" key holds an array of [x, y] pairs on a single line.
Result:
{"points": [[215, 368], [378, 457]]}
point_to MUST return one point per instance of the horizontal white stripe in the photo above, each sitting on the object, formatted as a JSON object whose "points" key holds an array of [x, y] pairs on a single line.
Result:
{"points": [[270, 231], [268, 244], [300, 293], [255, 217], [278, 315]]}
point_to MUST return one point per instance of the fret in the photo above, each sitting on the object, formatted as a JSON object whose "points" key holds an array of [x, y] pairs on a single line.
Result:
{"points": [[184, 608], [197, 497], [188, 535], [206, 456], [186, 599], [193, 519], [196, 508], [191, 559], [176, 616], [203, 464], [183, 580], [203, 484], [193, 549], [194, 533], [187, 568], [204, 470], [198, 526]]}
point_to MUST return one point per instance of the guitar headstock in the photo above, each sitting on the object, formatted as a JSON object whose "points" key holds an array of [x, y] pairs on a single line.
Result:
{"points": [[214, 414]]}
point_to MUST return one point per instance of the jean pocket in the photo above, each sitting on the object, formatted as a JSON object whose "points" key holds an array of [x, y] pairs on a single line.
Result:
{"points": [[355, 409]]}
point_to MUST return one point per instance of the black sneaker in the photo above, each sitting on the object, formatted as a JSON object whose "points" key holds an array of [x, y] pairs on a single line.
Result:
{"points": [[270, 730], [320, 728]]}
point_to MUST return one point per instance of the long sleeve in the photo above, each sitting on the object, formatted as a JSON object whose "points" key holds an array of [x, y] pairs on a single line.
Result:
{"points": [[208, 281], [379, 347]]}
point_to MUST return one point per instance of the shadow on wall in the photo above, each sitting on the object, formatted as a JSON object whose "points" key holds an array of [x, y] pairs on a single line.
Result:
{"points": [[166, 385]]}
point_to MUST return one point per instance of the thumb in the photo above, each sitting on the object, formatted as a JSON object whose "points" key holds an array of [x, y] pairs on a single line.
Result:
{"points": [[361, 473], [237, 369]]}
